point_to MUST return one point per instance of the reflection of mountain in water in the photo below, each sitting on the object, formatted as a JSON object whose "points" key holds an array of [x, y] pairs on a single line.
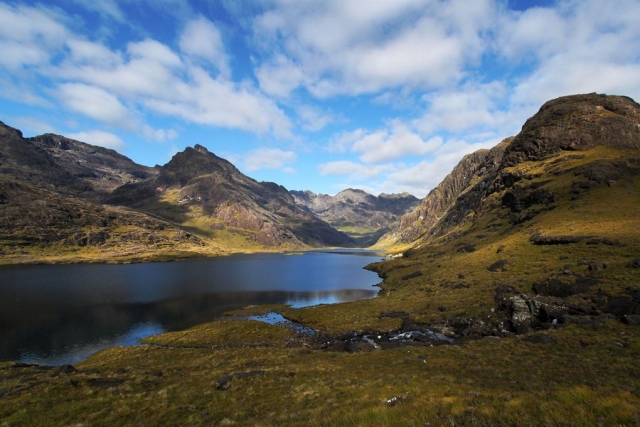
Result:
{"points": [[58, 336]]}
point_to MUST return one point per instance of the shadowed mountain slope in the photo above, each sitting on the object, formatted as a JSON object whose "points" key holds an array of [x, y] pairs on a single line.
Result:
{"points": [[211, 196]]}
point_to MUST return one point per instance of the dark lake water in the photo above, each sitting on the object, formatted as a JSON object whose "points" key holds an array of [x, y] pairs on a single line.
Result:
{"points": [[59, 314]]}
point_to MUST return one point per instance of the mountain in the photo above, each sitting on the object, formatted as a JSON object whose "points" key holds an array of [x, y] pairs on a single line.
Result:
{"points": [[542, 230], [48, 210], [573, 123], [361, 215], [100, 168], [62, 199], [210, 196]]}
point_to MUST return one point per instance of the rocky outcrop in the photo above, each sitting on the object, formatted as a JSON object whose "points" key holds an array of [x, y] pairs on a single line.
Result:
{"points": [[452, 200], [100, 168], [571, 123], [575, 123]]}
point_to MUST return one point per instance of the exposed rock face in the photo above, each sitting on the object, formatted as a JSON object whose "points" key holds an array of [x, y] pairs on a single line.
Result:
{"points": [[25, 161], [101, 168], [65, 165], [358, 209], [571, 123], [263, 212], [453, 199], [574, 123]]}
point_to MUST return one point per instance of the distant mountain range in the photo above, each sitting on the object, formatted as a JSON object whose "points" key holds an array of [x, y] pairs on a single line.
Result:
{"points": [[361, 215], [58, 194]]}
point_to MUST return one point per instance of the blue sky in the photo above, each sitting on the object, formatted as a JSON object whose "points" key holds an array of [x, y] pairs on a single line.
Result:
{"points": [[316, 95]]}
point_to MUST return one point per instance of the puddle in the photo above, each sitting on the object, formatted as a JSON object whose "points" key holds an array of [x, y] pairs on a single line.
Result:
{"points": [[277, 319]]}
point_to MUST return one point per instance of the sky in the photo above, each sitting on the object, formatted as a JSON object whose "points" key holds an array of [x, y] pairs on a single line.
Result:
{"points": [[321, 95]]}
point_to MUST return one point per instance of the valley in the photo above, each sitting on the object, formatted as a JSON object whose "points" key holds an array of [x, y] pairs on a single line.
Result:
{"points": [[526, 258]]}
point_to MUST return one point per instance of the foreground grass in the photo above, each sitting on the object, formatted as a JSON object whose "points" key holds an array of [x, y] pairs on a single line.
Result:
{"points": [[589, 377], [241, 372]]}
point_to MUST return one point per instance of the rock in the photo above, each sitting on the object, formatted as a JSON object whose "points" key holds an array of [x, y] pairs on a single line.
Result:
{"points": [[620, 306], [597, 266], [498, 265], [562, 288], [631, 319], [223, 382], [412, 275], [633, 264], [539, 239], [397, 399]]}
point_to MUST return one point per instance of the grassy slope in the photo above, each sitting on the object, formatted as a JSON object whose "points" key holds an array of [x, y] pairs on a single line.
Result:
{"points": [[590, 376]]}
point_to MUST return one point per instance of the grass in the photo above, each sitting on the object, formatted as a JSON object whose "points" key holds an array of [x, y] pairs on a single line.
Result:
{"points": [[486, 382], [590, 376]]}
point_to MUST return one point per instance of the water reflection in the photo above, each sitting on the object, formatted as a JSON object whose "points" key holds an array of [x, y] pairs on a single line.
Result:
{"points": [[63, 314]]}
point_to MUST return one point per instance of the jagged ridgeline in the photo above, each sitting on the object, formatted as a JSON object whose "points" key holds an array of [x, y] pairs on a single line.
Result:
{"points": [[363, 216], [62, 199], [208, 195], [572, 145]]}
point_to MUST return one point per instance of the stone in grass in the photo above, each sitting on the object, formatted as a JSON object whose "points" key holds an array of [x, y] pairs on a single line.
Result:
{"points": [[397, 399], [63, 370], [499, 265], [631, 319], [634, 264]]}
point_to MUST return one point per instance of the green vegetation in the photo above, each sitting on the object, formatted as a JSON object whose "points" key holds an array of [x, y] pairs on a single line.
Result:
{"points": [[548, 227]]}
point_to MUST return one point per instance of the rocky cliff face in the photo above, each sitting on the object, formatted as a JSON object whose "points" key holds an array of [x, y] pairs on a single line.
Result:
{"points": [[452, 200], [363, 215], [572, 123], [198, 184], [545, 234]]}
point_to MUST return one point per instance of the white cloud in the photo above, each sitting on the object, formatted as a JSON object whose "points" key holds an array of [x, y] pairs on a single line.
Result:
{"points": [[355, 171], [395, 141], [28, 36], [160, 135], [279, 76], [117, 86], [203, 40], [314, 119], [336, 47], [100, 138], [578, 47], [30, 125], [96, 103], [268, 158], [107, 8], [421, 177]]}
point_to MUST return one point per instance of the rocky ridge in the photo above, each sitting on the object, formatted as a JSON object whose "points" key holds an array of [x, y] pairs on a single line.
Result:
{"points": [[198, 184], [545, 222], [358, 210]]}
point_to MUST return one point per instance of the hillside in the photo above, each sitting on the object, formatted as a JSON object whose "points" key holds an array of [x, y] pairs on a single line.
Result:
{"points": [[63, 200], [517, 304], [363, 216], [209, 196]]}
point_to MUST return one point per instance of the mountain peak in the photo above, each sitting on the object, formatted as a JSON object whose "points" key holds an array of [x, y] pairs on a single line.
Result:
{"points": [[199, 148], [577, 123]]}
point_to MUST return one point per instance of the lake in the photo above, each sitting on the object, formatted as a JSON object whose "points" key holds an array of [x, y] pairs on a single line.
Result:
{"points": [[62, 314]]}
